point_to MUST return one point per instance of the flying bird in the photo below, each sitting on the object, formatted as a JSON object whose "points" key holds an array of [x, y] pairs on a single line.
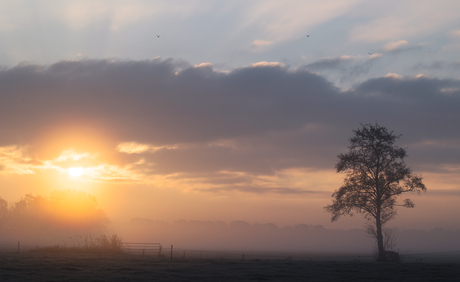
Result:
{"points": [[158, 36], [308, 35], [369, 53]]}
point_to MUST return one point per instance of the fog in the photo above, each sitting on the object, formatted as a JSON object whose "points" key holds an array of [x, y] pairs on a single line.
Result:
{"points": [[68, 217], [304, 238], [63, 218]]}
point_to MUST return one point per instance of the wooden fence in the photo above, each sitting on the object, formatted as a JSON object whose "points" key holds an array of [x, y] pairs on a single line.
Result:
{"points": [[143, 248]]}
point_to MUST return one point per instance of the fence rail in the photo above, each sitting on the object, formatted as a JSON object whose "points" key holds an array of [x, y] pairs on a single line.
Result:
{"points": [[142, 248]]}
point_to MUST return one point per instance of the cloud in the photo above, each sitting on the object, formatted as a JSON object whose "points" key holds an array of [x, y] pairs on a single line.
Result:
{"points": [[330, 63], [455, 33], [439, 65], [258, 44], [400, 46], [396, 45], [347, 68], [250, 129], [14, 159], [132, 148], [402, 19], [288, 20], [82, 14], [71, 155], [267, 64], [18, 160], [135, 148], [375, 55], [450, 90], [392, 75]]}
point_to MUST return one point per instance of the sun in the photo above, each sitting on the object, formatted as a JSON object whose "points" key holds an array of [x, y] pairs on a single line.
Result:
{"points": [[75, 171]]}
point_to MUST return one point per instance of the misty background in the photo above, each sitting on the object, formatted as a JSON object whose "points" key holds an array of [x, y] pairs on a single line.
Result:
{"points": [[36, 221]]}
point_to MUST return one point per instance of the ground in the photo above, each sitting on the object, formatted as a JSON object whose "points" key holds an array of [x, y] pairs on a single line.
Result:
{"points": [[31, 266]]}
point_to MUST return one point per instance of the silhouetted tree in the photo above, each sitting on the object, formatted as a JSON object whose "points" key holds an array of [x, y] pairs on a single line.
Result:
{"points": [[29, 215], [376, 177], [64, 212]]}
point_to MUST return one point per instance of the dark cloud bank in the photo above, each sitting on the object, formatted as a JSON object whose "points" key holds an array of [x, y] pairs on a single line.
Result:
{"points": [[253, 119]]}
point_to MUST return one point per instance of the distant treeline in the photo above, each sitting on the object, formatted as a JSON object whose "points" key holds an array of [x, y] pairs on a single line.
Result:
{"points": [[35, 219], [241, 235]]}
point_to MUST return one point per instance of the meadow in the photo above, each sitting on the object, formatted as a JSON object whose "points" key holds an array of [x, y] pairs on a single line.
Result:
{"points": [[53, 266]]}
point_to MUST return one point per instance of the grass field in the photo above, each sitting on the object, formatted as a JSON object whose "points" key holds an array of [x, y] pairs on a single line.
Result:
{"points": [[32, 266]]}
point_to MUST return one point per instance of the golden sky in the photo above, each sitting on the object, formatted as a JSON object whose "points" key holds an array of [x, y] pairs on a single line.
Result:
{"points": [[226, 110], [199, 144]]}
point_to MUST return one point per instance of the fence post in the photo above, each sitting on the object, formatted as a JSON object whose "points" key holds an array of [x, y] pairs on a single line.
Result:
{"points": [[171, 252], [18, 247], [243, 256]]}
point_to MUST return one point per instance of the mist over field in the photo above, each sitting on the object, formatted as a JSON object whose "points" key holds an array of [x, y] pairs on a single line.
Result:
{"points": [[241, 235], [70, 217]]}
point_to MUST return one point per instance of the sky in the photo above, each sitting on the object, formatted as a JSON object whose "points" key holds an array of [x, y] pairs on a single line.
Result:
{"points": [[226, 110]]}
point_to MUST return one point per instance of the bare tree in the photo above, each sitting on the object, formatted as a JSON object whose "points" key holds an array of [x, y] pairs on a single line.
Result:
{"points": [[376, 176]]}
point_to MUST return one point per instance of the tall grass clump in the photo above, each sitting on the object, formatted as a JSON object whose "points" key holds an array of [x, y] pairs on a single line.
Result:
{"points": [[87, 244]]}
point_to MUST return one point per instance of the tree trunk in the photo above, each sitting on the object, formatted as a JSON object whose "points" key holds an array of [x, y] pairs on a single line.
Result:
{"points": [[379, 238]]}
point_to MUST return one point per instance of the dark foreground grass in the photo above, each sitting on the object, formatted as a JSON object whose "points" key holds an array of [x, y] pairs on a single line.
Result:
{"points": [[33, 266]]}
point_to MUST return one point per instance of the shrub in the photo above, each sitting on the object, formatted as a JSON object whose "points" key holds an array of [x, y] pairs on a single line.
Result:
{"points": [[392, 256], [102, 244]]}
